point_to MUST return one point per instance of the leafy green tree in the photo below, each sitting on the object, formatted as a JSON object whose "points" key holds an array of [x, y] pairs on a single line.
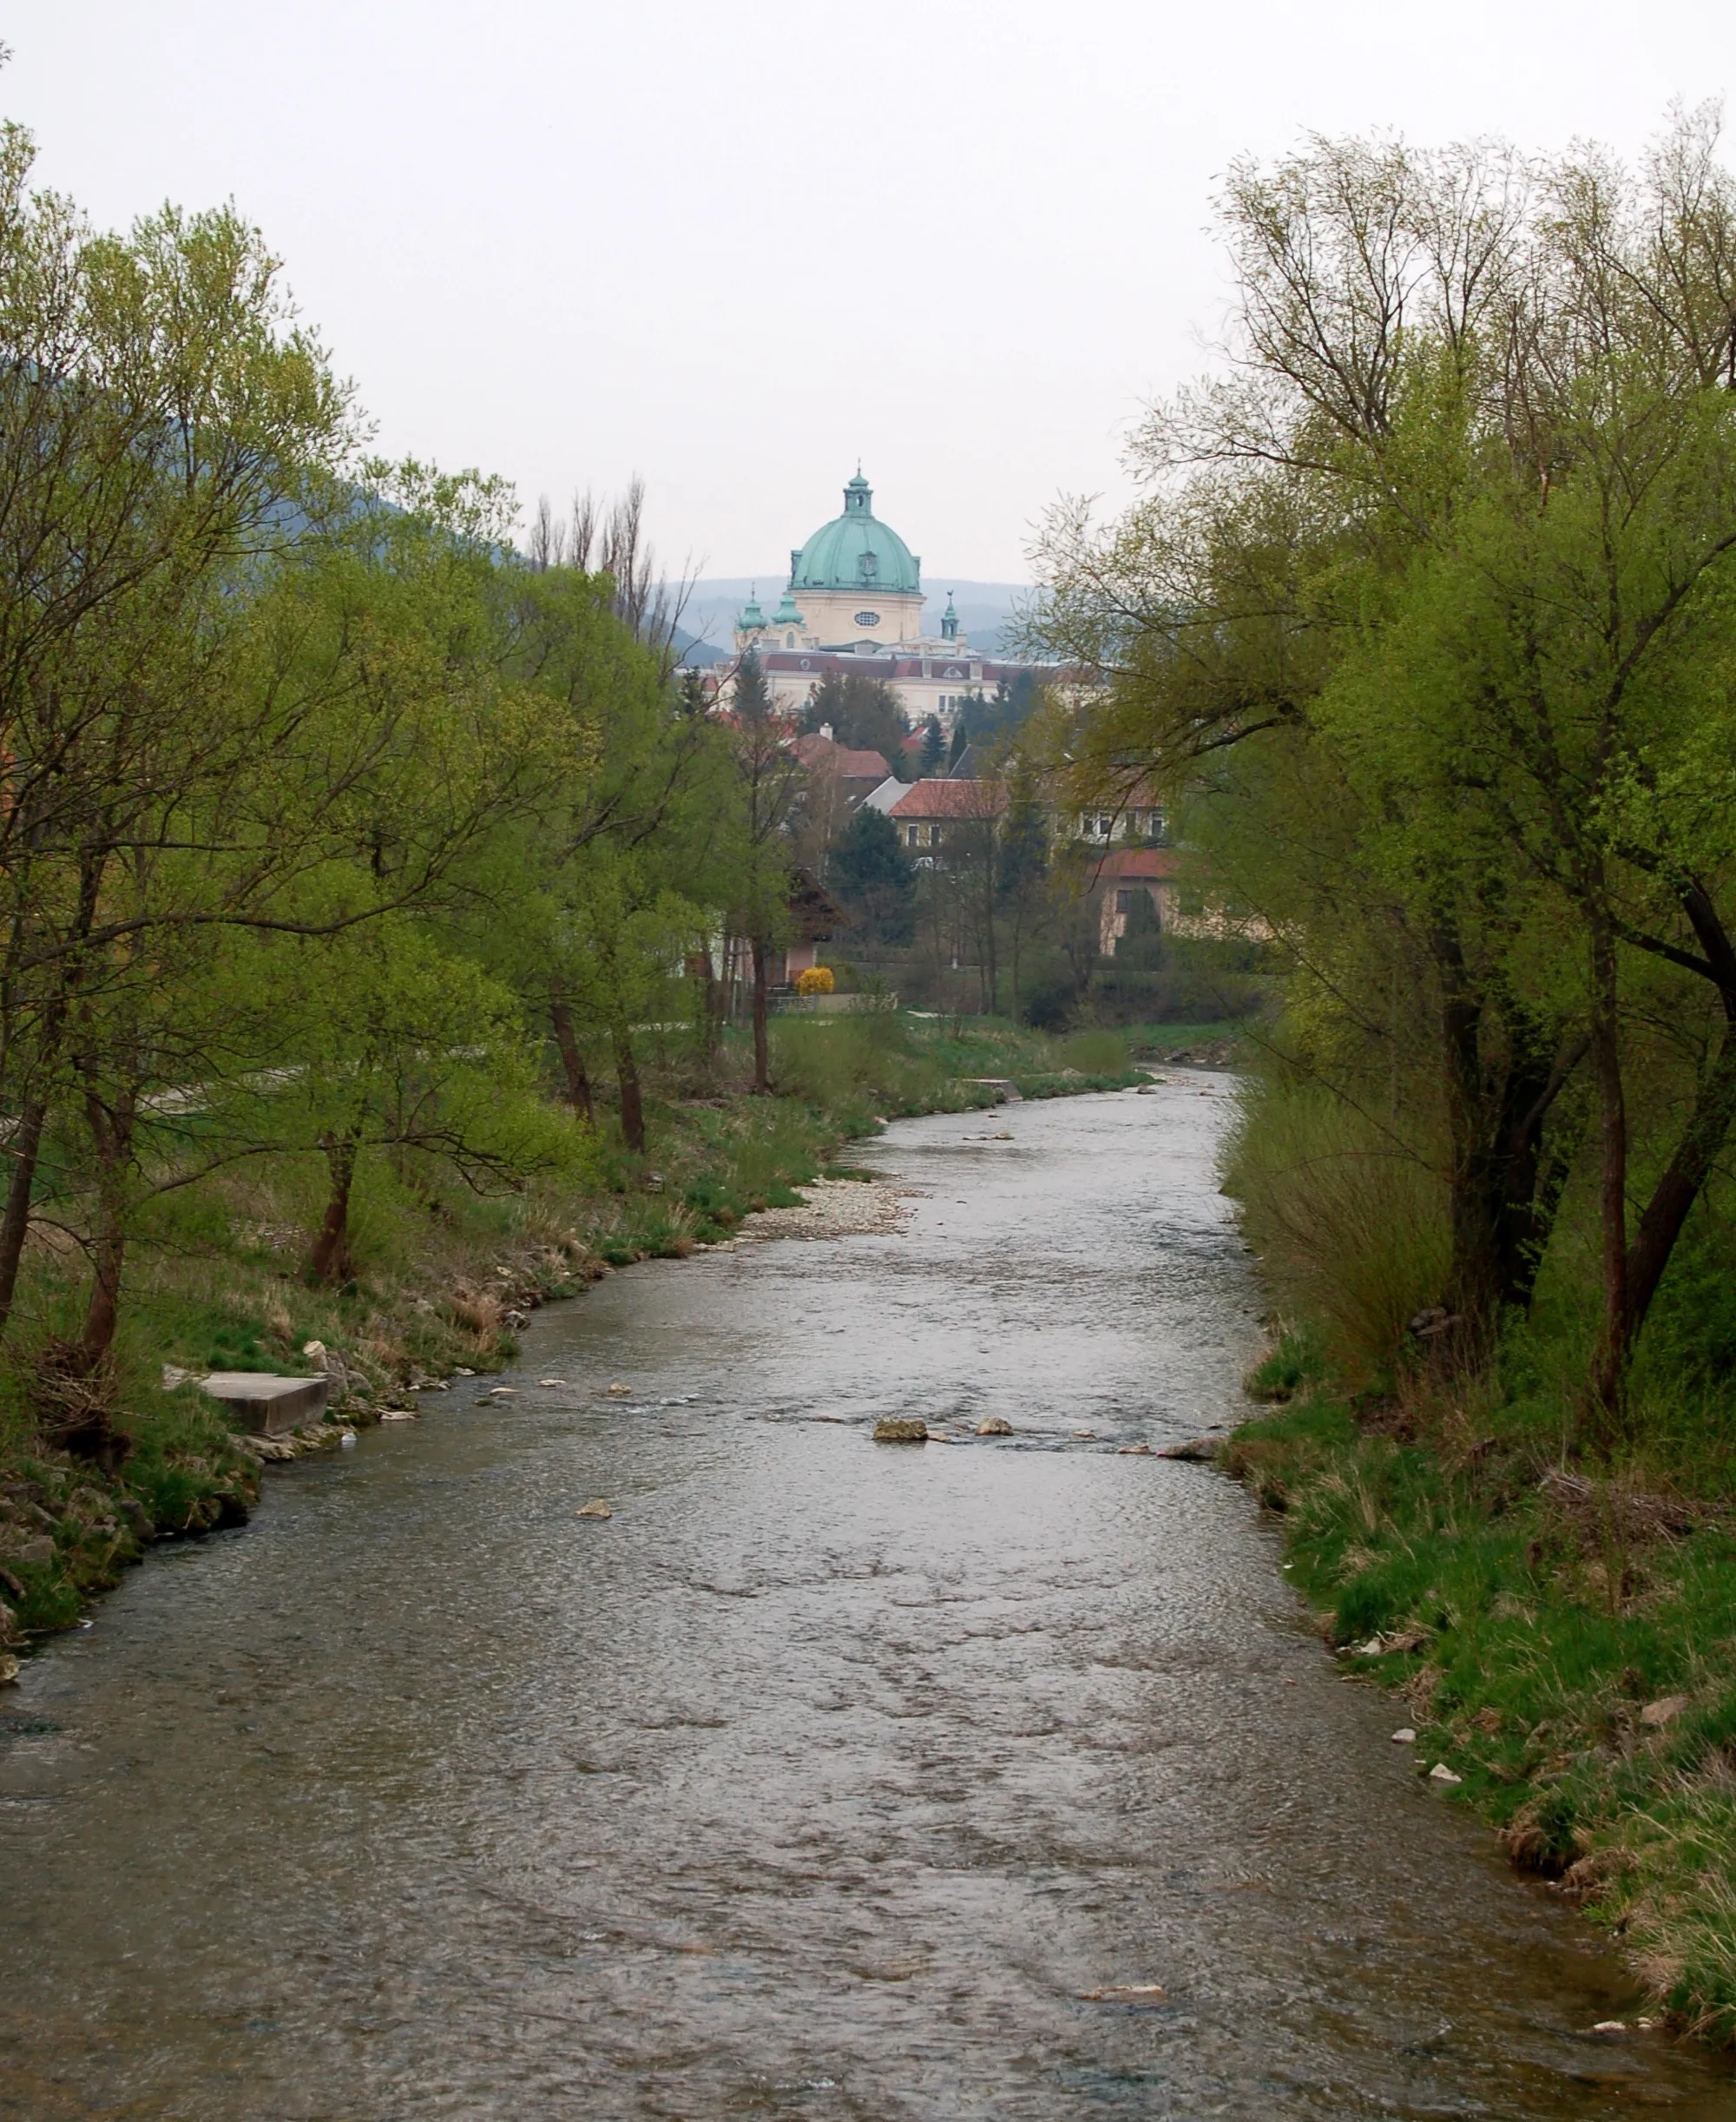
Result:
{"points": [[873, 879], [769, 785], [1421, 626], [1024, 885], [165, 422], [862, 712]]}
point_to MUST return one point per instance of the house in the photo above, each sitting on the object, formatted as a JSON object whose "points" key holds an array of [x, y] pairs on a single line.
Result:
{"points": [[1130, 873], [890, 791], [1125, 816], [854, 775], [814, 917], [930, 811]]}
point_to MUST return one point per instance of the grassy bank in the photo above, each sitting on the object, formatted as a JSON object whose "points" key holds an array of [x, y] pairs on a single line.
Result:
{"points": [[442, 1281], [1553, 1600], [1563, 1641]]}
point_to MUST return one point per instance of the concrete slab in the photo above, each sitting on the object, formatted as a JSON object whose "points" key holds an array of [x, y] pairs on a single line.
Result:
{"points": [[266, 1404]]}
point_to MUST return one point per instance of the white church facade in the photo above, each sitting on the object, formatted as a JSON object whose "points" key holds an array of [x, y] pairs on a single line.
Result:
{"points": [[853, 603]]}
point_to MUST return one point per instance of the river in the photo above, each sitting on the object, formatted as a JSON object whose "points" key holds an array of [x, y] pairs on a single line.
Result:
{"points": [[823, 1779]]}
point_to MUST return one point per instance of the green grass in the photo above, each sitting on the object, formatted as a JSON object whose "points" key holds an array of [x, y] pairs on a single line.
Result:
{"points": [[1527, 1634]]}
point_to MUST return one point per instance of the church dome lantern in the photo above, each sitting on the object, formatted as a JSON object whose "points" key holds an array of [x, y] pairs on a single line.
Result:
{"points": [[857, 551]]}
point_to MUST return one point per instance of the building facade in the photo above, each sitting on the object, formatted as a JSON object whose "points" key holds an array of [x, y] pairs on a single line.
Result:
{"points": [[853, 604]]}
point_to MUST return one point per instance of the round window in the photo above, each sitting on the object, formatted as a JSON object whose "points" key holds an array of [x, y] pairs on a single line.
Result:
{"points": [[867, 618]]}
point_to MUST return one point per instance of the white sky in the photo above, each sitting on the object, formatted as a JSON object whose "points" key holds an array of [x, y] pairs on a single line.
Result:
{"points": [[732, 247]]}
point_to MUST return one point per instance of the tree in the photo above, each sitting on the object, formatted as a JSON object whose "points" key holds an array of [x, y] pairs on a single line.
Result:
{"points": [[863, 714], [874, 881], [769, 783], [164, 421], [1421, 624], [1024, 885]]}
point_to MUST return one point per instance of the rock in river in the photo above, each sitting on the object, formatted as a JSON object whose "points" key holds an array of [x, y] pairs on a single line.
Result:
{"points": [[900, 1429], [599, 1509], [1199, 1451], [994, 1426]]}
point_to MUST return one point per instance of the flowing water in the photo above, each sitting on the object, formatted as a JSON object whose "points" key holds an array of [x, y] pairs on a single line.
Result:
{"points": [[824, 1779]]}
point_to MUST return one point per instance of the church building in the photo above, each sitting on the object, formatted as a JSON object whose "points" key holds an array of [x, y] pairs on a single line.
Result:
{"points": [[854, 602]]}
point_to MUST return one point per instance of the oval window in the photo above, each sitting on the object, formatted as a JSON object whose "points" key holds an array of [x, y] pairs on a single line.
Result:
{"points": [[867, 618]]}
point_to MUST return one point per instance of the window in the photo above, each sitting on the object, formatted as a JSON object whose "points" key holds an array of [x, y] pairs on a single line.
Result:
{"points": [[1124, 900], [789, 641], [911, 835]]}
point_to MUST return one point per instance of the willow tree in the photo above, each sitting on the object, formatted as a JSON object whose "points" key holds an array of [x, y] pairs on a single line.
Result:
{"points": [[1420, 623]]}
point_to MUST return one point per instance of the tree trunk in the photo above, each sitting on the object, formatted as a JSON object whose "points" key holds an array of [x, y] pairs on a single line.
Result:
{"points": [[1498, 1223], [762, 1051], [329, 1260], [1472, 1297], [25, 1147], [1610, 1364], [627, 1075], [111, 1131], [1707, 1128], [573, 1061], [1665, 1215]]}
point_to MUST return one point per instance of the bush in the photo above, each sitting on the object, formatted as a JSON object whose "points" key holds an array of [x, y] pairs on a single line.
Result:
{"points": [[817, 980], [1095, 1053], [1351, 1222]]}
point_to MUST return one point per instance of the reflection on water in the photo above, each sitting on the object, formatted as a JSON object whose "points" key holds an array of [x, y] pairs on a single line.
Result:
{"points": [[824, 1779]]}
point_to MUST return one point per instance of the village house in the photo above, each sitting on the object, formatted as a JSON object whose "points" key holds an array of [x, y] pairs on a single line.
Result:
{"points": [[854, 775], [1130, 873], [1134, 814], [930, 811]]}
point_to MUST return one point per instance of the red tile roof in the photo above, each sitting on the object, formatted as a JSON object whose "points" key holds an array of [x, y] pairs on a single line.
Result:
{"points": [[821, 751], [928, 799], [1138, 863]]}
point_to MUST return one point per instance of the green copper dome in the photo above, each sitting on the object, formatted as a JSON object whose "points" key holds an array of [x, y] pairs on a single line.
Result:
{"points": [[856, 551]]}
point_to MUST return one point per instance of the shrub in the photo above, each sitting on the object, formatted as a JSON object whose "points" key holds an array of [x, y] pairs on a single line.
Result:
{"points": [[817, 980], [1095, 1053], [1350, 1221]]}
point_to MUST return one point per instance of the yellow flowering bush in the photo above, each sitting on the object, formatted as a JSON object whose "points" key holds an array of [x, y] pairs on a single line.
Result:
{"points": [[817, 980]]}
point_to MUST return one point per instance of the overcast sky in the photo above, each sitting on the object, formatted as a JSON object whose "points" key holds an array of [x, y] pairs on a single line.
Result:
{"points": [[731, 247]]}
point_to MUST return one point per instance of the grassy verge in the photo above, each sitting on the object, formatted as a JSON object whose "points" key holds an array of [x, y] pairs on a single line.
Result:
{"points": [[1563, 1640], [442, 1284]]}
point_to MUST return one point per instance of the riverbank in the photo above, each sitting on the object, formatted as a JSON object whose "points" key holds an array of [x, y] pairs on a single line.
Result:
{"points": [[444, 1288], [919, 1783], [1560, 1640]]}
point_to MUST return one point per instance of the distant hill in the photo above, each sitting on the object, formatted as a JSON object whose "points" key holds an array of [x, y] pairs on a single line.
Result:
{"points": [[984, 608]]}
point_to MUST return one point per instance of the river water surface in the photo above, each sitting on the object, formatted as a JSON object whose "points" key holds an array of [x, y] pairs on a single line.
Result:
{"points": [[824, 1780]]}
